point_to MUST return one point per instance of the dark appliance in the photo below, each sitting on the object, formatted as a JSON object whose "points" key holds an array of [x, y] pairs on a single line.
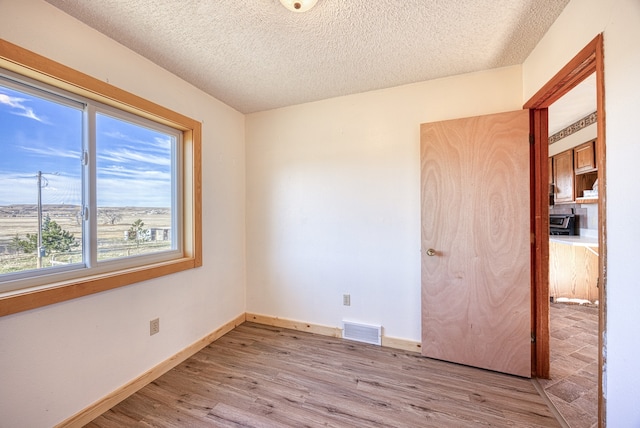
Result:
{"points": [[562, 224]]}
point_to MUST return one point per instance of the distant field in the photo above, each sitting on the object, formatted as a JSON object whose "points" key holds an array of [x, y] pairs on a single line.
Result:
{"points": [[23, 219]]}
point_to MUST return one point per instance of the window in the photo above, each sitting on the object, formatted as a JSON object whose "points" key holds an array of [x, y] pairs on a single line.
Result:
{"points": [[41, 135], [99, 189], [48, 211], [135, 179]]}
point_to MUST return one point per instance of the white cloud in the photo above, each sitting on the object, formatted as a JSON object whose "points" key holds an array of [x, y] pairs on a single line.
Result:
{"points": [[18, 188], [127, 156], [133, 175], [160, 144], [52, 151], [147, 193], [130, 188], [14, 102], [22, 110], [163, 143]]}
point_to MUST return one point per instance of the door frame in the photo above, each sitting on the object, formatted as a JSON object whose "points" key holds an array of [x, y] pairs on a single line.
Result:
{"points": [[588, 61]]}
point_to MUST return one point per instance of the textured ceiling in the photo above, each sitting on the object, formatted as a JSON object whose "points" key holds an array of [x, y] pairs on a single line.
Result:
{"points": [[256, 55]]}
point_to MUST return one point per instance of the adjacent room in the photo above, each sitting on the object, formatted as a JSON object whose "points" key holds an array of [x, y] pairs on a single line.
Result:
{"points": [[220, 195]]}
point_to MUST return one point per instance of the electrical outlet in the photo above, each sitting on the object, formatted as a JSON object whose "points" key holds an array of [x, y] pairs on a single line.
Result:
{"points": [[154, 326], [346, 299]]}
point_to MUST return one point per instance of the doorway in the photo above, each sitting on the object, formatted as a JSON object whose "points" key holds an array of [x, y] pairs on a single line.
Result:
{"points": [[573, 256], [587, 62]]}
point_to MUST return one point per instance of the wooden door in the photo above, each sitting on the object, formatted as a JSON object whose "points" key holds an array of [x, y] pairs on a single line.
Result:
{"points": [[476, 293]]}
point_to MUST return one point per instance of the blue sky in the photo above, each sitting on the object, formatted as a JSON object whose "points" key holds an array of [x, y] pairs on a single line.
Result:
{"points": [[134, 163]]}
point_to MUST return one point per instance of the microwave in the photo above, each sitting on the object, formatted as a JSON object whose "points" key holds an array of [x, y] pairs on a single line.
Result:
{"points": [[562, 224]]}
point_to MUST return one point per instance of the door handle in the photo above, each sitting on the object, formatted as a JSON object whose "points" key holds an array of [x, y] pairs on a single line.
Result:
{"points": [[431, 252]]}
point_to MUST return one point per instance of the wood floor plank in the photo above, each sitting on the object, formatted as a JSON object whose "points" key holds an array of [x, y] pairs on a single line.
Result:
{"points": [[263, 376]]}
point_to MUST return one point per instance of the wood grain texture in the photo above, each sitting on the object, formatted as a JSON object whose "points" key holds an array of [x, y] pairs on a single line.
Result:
{"points": [[573, 272], [584, 182], [601, 155], [563, 177], [38, 67], [390, 342], [101, 406], [23, 300], [541, 167], [579, 68], [263, 376], [589, 60], [584, 157], [402, 344], [294, 325], [475, 213]]}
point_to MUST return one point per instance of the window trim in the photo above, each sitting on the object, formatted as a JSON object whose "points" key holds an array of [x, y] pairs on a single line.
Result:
{"points": [[37, 67]]}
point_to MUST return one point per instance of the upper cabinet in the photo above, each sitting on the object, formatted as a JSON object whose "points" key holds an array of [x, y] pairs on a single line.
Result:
{"points": [[584, 157], [563, 177], [574, 171]]}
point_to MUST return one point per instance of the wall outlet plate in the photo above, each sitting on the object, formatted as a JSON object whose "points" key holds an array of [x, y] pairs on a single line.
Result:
{"points": [[346, 299], [154, 326]]}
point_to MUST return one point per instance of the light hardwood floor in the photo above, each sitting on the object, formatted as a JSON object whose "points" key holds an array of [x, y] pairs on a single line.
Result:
{"points": [[260, 376]]}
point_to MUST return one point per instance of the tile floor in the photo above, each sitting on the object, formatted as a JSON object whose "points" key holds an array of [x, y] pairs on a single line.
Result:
{"points": [[573, 387]]}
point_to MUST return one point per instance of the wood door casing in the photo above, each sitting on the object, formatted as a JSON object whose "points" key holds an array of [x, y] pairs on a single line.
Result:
{"points": [[589, 60], [476, 295]]}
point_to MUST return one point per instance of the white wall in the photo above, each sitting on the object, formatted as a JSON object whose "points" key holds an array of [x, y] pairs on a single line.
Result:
{"points": [[581, 21], [333, 199], [332, 208], [58, 359]]}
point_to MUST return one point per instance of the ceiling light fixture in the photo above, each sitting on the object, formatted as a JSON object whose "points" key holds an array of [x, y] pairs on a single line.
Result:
{"points": [[298, 5]]}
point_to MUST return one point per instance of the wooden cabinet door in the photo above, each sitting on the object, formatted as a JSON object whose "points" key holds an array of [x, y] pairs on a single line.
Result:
{"points": [[584, 157], [552, 199], [476, 249], [573, 272], [563, 178]]}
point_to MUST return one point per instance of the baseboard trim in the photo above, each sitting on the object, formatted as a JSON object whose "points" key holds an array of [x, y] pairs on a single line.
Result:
{"points": [[402, 344], [389, 342], [294, 325], [94, 410], [99, 407]]}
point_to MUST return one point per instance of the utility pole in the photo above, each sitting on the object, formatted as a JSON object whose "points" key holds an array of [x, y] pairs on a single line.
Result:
{"points": [[40, 247]]}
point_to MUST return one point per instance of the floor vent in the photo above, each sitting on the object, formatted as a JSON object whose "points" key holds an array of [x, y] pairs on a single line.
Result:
{"points": [[362, 332]]}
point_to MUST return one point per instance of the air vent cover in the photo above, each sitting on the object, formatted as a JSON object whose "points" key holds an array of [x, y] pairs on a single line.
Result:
{"points": [[362, 332]]}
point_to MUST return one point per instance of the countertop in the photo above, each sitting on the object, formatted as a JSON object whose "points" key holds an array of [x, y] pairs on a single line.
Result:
{"points": [[577, 241]]}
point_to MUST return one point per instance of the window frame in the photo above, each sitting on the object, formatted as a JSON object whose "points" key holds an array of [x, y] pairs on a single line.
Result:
{"points": [[96, 110], [31, 65]]}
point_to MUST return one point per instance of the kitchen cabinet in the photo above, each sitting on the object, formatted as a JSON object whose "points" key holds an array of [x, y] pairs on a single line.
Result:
{"points": [[551, 188], [584, 158], [563, 177], [573, 271], [574, 171], [585, 182]]}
